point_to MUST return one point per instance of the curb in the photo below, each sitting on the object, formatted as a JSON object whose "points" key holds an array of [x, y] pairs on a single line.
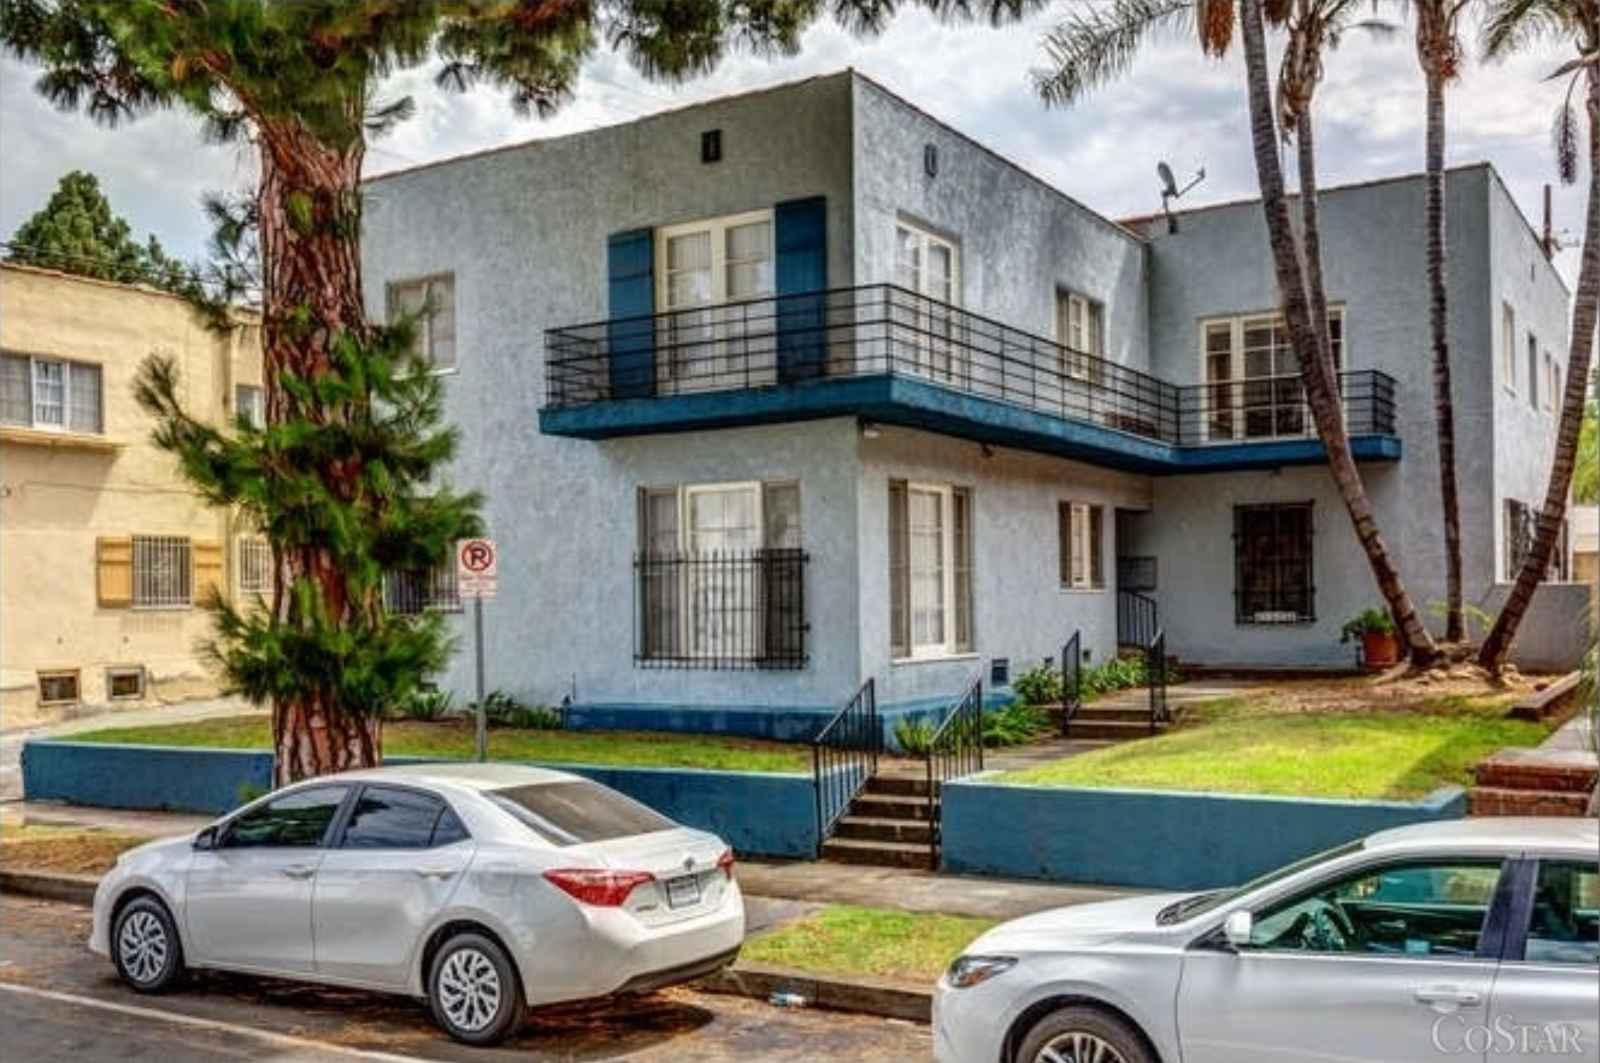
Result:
{"points": [[888, 1000]]}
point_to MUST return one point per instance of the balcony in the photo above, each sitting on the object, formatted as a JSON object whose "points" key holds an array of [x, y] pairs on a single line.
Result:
{"points": [[886, 354]]}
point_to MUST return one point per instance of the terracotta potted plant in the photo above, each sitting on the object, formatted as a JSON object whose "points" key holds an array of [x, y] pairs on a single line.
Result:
{"points": [[1380, 643]]}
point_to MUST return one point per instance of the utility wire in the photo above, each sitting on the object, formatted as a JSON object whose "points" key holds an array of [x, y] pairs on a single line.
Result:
{"points": [[124, 272]]}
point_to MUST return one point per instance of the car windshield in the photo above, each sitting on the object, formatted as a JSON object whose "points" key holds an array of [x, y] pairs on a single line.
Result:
{"points": [[571, 813], [1201, 903]]}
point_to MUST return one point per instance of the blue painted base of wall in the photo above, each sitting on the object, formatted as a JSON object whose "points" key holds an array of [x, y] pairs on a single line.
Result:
{"points": [[1152, 839], [757, 813]]}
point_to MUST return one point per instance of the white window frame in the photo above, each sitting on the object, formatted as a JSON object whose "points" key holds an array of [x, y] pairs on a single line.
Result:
{"points": [[1535, 371], [1508, 347], [933, 353], [947, 576], [1080, 545], [66, 365], [712, 362], [1235, 385], [1082, 355], [425, 339], [255, 409], [246, 565], [1552, 381]]}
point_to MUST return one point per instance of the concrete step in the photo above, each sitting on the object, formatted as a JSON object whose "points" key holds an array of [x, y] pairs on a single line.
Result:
{"points": [[1130, 713], [876, 829], [890, 806], [877, 854], [1111, 730], [1501, 801], [1531, 774], [898, 785]]}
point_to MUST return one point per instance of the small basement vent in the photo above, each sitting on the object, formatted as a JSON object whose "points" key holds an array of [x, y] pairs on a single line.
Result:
{"points": [[124, 683], [58, 688]]}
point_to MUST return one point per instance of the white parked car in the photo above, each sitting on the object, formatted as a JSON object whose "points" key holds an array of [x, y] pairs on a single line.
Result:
{"points": [[479, 887], [1474, 939]]}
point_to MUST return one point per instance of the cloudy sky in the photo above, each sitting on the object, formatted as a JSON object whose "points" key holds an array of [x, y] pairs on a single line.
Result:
{"points": [[1174, 105]]}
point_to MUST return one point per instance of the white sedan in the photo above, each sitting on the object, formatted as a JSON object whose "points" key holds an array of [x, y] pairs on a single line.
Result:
{"points": [[1473, 940], [482, 888]]}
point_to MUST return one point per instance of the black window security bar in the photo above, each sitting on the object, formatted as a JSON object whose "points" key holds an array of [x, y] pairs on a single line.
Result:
{"points": [[885, 329], [1136, 573], [1273, 579], [721, 610]]}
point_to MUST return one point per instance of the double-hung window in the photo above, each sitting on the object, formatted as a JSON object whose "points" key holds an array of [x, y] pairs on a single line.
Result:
{"points": [[249, 402], [930, 569], [1081, 530], [432, 300], [51, 394], [1081, 332], [1273, 581], [253, 560], [928, 267], [1252, 376], [720, 577], [1552, 382], [715, 281], [163, 572]]}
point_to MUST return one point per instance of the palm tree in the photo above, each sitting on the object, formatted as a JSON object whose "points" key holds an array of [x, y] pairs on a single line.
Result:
{"points": [[1586, 477], [1094, 45], [1509, 26], [1439, 55]]}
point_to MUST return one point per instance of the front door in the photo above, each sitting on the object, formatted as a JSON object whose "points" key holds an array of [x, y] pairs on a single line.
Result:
{"points": [[395, 866], [249, 897], [1377, 966]]}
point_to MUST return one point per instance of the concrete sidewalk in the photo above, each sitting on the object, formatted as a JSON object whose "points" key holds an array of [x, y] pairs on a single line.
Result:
{"points": [[809, 883]]}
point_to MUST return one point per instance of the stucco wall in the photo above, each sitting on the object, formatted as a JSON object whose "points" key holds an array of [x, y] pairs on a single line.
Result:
{"points": [[524, 231], [1020, 610], [1020, 239], [58, 493]]}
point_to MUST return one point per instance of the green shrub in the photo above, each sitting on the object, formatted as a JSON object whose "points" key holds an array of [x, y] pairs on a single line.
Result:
{"points": [[1038, 686], [425, 705], [1372, 621], [914, 736], [502, 710], [1014, 725]]}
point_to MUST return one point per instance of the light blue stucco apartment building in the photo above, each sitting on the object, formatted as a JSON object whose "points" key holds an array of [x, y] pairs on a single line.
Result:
{"points": [[776, 393]]}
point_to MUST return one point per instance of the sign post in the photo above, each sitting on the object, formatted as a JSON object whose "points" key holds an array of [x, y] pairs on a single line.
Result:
{"points": [[477, 576]]}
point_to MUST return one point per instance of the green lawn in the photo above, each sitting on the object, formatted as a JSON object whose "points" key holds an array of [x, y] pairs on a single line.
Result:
{"points": [[845, 939], [1228, 747], [454, 738]]}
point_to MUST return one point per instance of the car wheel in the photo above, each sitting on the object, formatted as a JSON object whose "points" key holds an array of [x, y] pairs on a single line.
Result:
{"points": [[474, 991], [145, 946], [1082, 1035]]}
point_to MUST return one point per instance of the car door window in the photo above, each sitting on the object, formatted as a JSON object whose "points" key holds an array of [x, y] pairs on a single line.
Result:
{"points": [[389, 818], [1421, 909], [1565, 927], [298, 820]]}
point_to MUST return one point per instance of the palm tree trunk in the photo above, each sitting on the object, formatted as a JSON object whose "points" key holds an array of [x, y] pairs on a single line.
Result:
{"points": [[1585, 305], [1320, 390], [1444, 415], [1311, 227]]}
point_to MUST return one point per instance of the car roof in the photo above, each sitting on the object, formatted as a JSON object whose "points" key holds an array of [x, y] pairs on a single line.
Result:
{"points": [[1500, 833], [467, 775]]}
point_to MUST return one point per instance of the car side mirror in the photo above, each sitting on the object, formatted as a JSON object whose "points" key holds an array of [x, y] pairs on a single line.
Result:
{"points": [[206, 839], [1238, 929]]}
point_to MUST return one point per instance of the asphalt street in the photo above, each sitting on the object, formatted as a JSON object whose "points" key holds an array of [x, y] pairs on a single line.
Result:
{"points": [[58, 1001]]}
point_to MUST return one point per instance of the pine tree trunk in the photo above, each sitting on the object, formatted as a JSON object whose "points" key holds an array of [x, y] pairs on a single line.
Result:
{"points": [[309, 201], [1585, 305], [1444, 415], [1321, 392]]}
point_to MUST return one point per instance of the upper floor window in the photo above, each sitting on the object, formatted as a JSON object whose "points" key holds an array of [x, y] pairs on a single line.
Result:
{"points": [[1533, 371], [1552, 379], [254, 564], [930, 569], [927, 264], [1273, 581], [434, 298], [701, 267], [249, 402], [1508, 347], [1081, 528], [1252, 374], [50, 393], [1081, 331]]}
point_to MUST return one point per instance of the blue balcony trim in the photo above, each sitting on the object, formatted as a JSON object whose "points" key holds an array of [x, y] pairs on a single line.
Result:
{"points": [[897, 399]]}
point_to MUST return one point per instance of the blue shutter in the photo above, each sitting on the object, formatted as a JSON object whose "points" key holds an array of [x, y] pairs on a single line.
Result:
{"points": [[801, 241], [630, 331]]}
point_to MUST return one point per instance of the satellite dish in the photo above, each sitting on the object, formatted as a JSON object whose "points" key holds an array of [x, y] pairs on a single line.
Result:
{"points": [[1169, 184]]}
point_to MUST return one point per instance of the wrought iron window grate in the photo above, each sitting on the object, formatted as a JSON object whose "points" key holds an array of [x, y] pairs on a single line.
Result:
{"points": [[721, 611]]}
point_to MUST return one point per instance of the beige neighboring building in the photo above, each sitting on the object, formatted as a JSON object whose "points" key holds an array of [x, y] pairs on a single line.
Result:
{"points": [[105, 551], [1586, 544]]}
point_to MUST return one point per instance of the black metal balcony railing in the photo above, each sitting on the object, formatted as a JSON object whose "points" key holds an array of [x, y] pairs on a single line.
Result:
{"points": [[885, 329], [735, 610]]}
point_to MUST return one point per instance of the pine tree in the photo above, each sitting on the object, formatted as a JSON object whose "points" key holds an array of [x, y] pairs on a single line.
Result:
{"points": [[335, 484], [78, 232]]}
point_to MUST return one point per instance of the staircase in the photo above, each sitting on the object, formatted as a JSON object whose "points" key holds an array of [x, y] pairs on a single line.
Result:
{"points": [[888, 824], [1117, 718], [1534, 782]]}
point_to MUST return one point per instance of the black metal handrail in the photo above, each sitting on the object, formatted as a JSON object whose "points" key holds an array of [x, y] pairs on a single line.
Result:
{"points": [[1155, 676], [1136, 619], [844, 756], [956, 749], [883, 329], [1071, 680], [721, 610]]}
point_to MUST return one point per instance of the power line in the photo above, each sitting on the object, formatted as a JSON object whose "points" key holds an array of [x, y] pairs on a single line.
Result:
{"points": [[123, 272]]}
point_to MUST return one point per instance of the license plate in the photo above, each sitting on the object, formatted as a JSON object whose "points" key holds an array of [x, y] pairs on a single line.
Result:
{"points": [[683, 891]]}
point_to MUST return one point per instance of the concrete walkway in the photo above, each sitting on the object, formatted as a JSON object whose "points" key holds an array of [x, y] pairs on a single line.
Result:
{"points": [[142, 716]]}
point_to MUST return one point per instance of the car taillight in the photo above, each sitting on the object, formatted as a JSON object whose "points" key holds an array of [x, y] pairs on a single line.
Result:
{"points": [[725, 863], [601, 888]]}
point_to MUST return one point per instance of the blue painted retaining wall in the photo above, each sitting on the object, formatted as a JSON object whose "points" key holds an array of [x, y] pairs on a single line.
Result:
{"points": [[758, 813], [1154, 839]]}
